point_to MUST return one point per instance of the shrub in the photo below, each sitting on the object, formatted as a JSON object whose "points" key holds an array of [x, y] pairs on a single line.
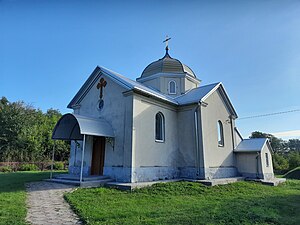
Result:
{"points": [[28, 167], [5, 169], [58, 166]]}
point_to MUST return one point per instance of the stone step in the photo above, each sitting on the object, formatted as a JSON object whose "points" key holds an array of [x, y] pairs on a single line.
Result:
{"points": [[219, 181], [77, 178], [90, 183]]}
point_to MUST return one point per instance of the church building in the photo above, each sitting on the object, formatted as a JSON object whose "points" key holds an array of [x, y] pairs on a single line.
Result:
{"points": [[165, 125]]}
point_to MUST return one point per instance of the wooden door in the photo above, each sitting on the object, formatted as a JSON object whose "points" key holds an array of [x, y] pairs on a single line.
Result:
{"points": [[98, 156]]}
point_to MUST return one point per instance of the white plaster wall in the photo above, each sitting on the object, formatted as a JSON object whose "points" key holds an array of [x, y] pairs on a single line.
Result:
{"points": [[186, 132], [117, 111], [247, 163], [265, 169], [216, 156], [146, 151], [154, 83], [188, 85], [75, 158], [238, 139]]}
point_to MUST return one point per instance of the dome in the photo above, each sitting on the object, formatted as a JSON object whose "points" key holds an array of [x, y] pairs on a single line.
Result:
{"points": [[167, 65]]}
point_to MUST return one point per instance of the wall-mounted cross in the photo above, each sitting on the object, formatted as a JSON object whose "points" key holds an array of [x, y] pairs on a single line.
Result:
{"points": [[102, 83]]}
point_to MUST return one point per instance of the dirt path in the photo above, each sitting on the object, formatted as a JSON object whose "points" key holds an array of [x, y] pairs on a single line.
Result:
{"points": [[46, 205]]}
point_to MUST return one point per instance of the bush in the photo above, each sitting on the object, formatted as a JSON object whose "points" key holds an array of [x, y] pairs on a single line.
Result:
{"points": [[58, 166], [28, 167], [5, 169]]}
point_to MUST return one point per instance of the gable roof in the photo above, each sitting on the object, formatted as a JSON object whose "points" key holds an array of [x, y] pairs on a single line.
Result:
{"points": [[200, 94], [125, 82], [251, 145], [195, 95]]}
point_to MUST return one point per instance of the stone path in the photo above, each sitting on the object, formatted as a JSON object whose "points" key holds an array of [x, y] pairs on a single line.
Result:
{"points": [[46, 205]]}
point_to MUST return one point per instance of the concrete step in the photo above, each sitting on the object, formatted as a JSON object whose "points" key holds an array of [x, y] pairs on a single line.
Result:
{"points": [[131, 186], [272, 182], [77, 178], [89, 183], [220, 181]]}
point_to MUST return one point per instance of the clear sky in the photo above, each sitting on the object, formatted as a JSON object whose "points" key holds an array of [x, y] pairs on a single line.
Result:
{"points": [[49, 48]]}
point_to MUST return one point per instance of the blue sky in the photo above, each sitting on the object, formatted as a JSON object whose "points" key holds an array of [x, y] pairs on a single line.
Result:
{"points": [[49, 48]]}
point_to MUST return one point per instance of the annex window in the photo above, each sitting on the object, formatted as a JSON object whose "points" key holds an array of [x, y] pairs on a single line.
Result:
{"points": [[172, 87], [267, 160], [220, 134], [159, 127]]}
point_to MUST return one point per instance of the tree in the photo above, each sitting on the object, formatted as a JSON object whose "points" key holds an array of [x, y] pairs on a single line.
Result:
{"points": [[278, 145], [25, 133]]}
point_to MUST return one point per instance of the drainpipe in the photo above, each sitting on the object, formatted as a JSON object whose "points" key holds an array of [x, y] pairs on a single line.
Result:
{"points": [[231, 125], [197, 139], [82, 158]]}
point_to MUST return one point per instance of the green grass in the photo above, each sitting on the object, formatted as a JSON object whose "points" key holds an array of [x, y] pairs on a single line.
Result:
{"points": [[293, 174], [190, 203], [13, 195]]}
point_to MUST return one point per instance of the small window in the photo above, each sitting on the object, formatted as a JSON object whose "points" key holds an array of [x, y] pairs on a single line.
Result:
{"points": [[172, 87], [267, 160], [220, 134], [159, 127]]}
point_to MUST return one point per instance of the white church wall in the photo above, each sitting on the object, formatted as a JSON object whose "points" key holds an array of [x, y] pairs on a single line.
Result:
{"points": [[188, 85], [117, 111], [154, 83], [249, 164], [267, 170], [76, 154], [219, 160], [153, 160], [187, 144]]}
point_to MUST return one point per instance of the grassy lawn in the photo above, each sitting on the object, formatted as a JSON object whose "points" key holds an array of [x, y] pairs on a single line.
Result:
{"points": [[190, 203], [13, 195]]}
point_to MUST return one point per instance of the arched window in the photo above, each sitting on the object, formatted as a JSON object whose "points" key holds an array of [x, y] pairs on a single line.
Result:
{"points": [[220, 134], [172, 87], [159, 127]]}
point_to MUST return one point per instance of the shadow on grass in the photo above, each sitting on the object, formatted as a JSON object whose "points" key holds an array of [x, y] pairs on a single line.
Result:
{"points": [[15, 181]]}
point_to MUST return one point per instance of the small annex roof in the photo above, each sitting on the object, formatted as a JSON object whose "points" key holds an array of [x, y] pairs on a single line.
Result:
{"points": [[251, 145], [73, 127], [193, 96]]}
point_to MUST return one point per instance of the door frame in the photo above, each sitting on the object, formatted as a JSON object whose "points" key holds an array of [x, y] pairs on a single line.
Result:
{"points": [[98, 155]]}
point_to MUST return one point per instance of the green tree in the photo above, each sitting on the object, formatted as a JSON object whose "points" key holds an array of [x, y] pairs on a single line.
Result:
{"points": [[278, 145], [25, 133]]}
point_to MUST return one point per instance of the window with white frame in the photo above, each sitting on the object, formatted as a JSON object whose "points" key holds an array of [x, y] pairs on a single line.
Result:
{"points": [[267, 160], [220, 134], [159, 127], [172, 87]]}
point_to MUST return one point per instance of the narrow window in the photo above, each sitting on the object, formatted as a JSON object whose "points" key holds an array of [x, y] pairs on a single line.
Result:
{"points": [[220, 134], [159, 127], [267, 160], [172, 87]]}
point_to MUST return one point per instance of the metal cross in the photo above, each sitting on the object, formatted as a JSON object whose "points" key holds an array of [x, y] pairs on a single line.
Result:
{"points": [[102, 83], [167, 41]]}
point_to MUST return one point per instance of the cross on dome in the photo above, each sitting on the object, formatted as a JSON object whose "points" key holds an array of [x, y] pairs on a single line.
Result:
{"points": [[167, 43]]}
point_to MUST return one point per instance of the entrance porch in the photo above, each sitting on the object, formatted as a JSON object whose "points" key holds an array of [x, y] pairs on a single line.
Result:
{"points": [[88, 142]]}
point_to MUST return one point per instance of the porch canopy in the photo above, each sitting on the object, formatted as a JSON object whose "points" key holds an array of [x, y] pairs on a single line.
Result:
{"points": [[74, 127]]}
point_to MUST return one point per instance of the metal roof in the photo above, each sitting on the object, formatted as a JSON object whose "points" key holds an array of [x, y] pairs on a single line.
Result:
{"points": [[196, 94], [251, 145], [191, 97], [167, 64], [73, 127]]}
